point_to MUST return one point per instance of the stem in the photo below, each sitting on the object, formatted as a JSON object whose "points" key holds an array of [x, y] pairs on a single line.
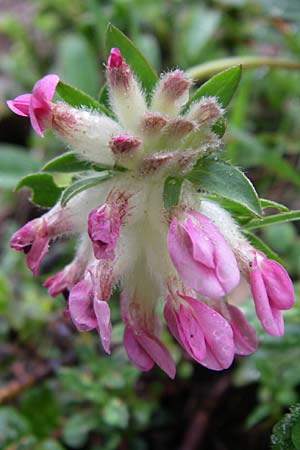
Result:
{"points": [[207, 69]]}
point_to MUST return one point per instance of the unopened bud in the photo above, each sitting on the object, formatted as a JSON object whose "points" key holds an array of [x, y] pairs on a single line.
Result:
{"points": [[153, 123], [206, 112], [171, 93], [178, 127], [115, 58], [124, 144]]}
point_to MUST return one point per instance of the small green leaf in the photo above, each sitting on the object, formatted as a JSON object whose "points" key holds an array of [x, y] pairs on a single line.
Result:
{"points": [[69, 162], [115, 413], [223, 85], [274, 218], [261, 245], [45, 191], [77, 429], [271, 204], [77, 98], [220, 126], [133, 57], [82, 185], [171, 194], [103, 96], [225, 180]]}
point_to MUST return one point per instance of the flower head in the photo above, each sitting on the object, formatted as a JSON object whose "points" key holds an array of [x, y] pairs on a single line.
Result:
{"points": [[191, 255]]}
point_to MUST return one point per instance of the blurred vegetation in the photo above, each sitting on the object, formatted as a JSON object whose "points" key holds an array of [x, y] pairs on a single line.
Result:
{"points": [[58, 390]]}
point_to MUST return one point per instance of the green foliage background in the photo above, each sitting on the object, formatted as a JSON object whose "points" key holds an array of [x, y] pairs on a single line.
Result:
{"points": [[71, 395]]}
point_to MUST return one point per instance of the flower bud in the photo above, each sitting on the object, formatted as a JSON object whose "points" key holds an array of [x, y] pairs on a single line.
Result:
{"points": [[272, 291], [205, 112], [127, 99], [171, 93]]}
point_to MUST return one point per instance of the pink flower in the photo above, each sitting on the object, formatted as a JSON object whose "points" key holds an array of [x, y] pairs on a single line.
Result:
{"points": [[203, 333], [201, 255], [272, 291], [33, 239], [244, 335], [104, 229], [37, 105], [141, 341], [88, 303]]}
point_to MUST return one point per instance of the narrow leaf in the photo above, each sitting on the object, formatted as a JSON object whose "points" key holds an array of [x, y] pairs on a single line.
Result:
{"points": [[133, 57], [45, 191], [83, 184], [171, 194], [261, 245], [77, 98], [69, 162], [225, 180], [274, 218], [271, 204], [223, 85]]}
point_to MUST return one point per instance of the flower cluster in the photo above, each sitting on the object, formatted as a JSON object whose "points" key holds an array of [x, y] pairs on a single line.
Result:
{"points": [[192, 256]]}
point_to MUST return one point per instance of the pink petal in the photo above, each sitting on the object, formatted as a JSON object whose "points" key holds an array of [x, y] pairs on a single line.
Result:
{"points": [[115, 58], [20, 104], [218, 335], [270, 318], [202, 246], [102, 312], [158, 352], [244, 334], [136, 354], [25, 236], [81, 306], [208, 281], [278, 284], [104, 228], [65, 279], [44, 89], [38, 250], [186, 329]]}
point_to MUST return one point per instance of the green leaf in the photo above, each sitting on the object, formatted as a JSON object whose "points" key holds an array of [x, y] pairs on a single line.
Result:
{"points": [[82, 185], [69, 162], [77, 429], [45, 191], [271, 204], [115, 413], [103, 96], [40, 405], [171, 193], [223, 85], [15, 162], [225, 180], [261, 245], [133, 57], [282, 437], [240, 213], [77, 98], [274, 218], [220, 126]]}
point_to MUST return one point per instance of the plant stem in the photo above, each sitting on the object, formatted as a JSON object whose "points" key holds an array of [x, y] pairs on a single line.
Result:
{"points": [[205, 70]]}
